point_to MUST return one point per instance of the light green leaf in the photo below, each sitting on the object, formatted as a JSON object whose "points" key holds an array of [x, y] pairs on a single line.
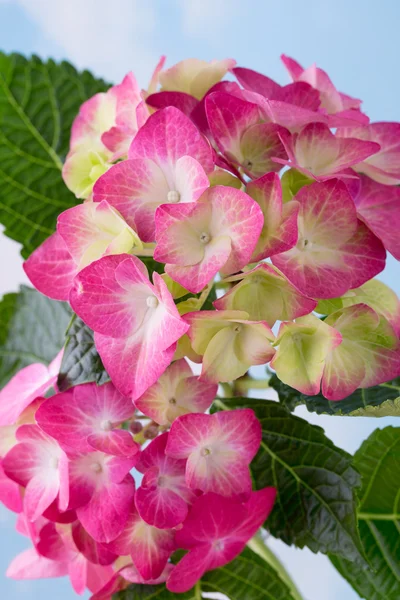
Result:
{"points": [[316, 482], [32, 329], [378, 461], [378, 401], [81, 362], [38, 102]]}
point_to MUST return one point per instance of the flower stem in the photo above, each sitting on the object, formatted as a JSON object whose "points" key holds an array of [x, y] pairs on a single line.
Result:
{"points": [[258, 546], [197, 591]]}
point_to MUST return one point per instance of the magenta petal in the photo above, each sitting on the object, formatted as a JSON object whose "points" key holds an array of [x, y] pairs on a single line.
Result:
{"points": [[118, 442], [93, 551], [51, 268], [10, 494], [190, 569], [106, 513], [39, 494], [258, 508], [184, 102]]}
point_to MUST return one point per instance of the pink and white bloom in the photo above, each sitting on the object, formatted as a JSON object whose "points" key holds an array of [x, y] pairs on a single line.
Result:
{"points": [[218, 449], [279, 232], [193, 76], [10, 493], [38, 464], [217, 233], [334, 251], [369, 353], [177, 392], [84, 233], [229, 343], [26, 385], [127, 574], [168, 162], [101, 491], [87, 418], [215, 532], [163, 498], [319, 154], [148, 546], [382, 166], [242, 135], [266, 294], [303, 347], [136, 323]]}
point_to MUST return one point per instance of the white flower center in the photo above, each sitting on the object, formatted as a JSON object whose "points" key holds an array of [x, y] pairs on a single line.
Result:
{"points": [[173, 196], [96, 467], [106, 425], [205, 451], [152, 301], [204, 238], [305, 244], [237, 328]]}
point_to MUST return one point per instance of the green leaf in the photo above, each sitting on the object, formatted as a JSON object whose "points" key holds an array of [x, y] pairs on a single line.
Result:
{"points": [[248, 577], [316, 482], [38, 102], [32, 330], [152, 265], [378, 461], [378, 401], [81, 362]]}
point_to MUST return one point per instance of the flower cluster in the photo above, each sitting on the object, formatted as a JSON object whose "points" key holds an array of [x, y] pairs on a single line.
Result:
{"points": [[285, 198], [66, 469]]}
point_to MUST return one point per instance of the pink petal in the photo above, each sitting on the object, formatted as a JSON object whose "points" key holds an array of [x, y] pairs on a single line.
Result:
{"points": [[89, 411], [149, 547], [10, 494], [184, 102], [105, 515], [334, 252], [379, 207], [161, 507], [280, 231], [39, 494], [168, 135], [29, 565], [258, 507], [190, 569], [29, 383], [260, 146], [51, 268], [93, 551], [256, 82]]}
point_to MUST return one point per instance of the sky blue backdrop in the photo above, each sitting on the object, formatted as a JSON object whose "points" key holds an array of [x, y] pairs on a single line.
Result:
{"points": [[356, 41]]}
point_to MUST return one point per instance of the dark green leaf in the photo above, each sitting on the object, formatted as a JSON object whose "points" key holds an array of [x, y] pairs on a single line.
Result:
{"points": [[152, 265], [81, 362], [38, 102], [248, 577], [378, 401], [316, 482], [32, 330], [208, 304], [378, 461]]}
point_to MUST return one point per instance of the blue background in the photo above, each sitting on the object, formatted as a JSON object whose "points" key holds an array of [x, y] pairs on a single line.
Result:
{"points": [[355, 41]]}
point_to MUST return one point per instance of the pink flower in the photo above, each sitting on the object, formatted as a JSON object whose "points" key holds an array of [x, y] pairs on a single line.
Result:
{"points": [[229, 343], [149, 547], [319, 154], [218, 449], [87, 418], [136, 323], [38, 464], [84, 233], [335, 251], [215, 532], [176, 393], [163, 498], [217, 233], [101, 491], [383, 166], [26, 385], [168, 162]]}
